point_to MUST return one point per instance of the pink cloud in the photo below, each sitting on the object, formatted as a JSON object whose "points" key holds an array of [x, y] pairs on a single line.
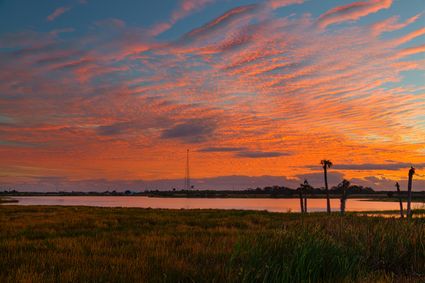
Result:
{"points": [[159, 28], [352, 11], [185, 8], [226, 18], [275, 4], [188, 6], [410, 36], [392, 24], [57, 13], [412, 50]]}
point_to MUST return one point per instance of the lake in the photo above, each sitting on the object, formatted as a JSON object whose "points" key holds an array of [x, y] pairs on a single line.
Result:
{"points": [[272, 205]]}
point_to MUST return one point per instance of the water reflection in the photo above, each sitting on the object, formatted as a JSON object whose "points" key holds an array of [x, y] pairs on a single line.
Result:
{"points": [[273, 205]]}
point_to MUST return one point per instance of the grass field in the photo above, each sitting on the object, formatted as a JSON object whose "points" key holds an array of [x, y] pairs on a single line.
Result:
{"points": [[82, 244]]}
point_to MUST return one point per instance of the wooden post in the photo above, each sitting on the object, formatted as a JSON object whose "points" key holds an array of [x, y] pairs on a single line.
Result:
{"points": [[343, 201], [301, 201], [400, 200]]}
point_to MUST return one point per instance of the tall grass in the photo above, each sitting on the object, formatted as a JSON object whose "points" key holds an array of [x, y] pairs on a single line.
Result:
{"points": [[77, 244], [332, 249]]}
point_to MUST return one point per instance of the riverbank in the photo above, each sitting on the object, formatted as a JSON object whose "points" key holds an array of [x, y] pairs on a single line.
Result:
{"points": [[87, 244], [7, 200]]}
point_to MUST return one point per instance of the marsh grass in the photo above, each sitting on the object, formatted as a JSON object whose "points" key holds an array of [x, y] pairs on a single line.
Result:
{"points": [[82, 244]]}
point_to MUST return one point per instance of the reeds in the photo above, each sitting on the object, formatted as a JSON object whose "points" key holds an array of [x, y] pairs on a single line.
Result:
{"points": [[81, 244]]}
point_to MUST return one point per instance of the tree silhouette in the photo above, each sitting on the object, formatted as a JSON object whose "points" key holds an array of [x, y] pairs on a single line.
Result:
{"points": [[307, 189], [344, 187], [303, 190], [300, 193], [327, 164], [409, 192], [399, 199]]}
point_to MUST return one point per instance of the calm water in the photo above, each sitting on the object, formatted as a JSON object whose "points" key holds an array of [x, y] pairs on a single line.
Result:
{"points": [[275, 205]]}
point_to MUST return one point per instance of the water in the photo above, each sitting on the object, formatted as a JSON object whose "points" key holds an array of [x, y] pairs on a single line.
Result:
{"points": [[273, 205]]}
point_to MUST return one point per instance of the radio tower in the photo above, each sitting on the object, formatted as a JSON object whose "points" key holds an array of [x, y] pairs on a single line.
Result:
{"points": [[187, 175]]}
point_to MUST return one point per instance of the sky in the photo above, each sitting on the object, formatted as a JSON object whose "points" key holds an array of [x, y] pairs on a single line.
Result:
{"points": [[102, 94]]}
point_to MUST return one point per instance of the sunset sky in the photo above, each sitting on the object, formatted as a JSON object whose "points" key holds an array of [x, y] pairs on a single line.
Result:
{"points": [[102, 94]]}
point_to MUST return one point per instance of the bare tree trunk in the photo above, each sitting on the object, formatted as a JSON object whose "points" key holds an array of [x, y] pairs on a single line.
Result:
{"points": [[409, 195], [343, 200], [301, 202], [305, 202], [328, 201], [400, 200]]}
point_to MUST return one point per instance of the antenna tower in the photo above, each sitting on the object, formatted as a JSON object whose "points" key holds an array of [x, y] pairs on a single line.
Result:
{"points": [[187, 174]]}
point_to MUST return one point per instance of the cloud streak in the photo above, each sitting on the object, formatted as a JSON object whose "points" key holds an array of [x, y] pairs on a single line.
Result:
{"points": [[222, 149], [275, 4], [57, 13], [392, 24], [185, 8], [261, 154], [352, 11]]}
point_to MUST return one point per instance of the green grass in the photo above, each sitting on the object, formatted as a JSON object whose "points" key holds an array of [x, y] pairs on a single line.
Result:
{"points": [[81, 244]]}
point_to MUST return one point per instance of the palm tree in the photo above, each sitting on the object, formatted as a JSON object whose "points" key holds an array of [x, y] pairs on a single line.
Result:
{"points": [[409, 192], [327, 164], [399, 199], [305, 195]]}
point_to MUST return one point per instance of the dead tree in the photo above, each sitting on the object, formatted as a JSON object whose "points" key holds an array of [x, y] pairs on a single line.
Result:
{"points": [[400, 200], [409, 192]]}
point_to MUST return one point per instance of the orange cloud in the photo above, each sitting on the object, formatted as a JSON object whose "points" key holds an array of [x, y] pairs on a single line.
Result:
{"points": [[412, 50], [249, 93]]}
